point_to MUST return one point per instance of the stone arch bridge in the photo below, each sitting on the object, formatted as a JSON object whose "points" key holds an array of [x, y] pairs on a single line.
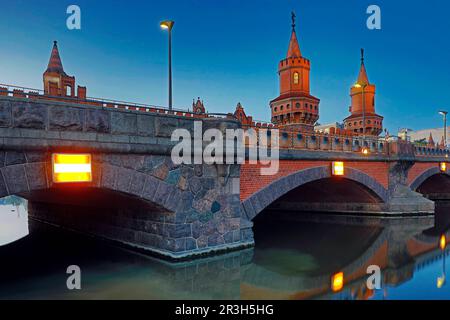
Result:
{"points": [[140, 198]]}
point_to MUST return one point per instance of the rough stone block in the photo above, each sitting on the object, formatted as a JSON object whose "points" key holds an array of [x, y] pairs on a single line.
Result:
{"points": [[173, 199], [165, 126], [36, 156], [36, 175], [109, 174], [15, 179], [3, 190], [97, 121], [162, 193], [123, 179], [191, 244], [123, 123], [178, 230], [5, 114], [66, 118], [146, 125], [29, 116], [137, 183], [13, 157], [151, 185], [215, 240]]}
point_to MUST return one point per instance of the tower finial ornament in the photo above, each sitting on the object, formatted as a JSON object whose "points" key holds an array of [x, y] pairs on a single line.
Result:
{"points": [[362, 55], [293, 16]]}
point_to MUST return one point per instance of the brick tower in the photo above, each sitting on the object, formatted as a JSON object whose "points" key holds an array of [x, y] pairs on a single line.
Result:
{"points": [[363, 106], [295, 108], [56, 81]]}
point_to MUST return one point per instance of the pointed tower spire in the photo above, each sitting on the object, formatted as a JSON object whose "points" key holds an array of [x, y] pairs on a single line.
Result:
{"points": [[55, 64], [430, 140], [294, 48], [362, 77]]}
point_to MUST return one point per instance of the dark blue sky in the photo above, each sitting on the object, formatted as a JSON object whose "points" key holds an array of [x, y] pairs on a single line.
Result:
{"points": [[228, 51]]}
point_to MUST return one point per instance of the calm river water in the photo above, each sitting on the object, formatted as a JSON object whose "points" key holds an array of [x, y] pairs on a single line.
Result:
{"points": [[292, 259]]}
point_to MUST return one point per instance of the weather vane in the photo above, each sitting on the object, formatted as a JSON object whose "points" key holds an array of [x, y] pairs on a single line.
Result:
{"points": [[293, 19]]}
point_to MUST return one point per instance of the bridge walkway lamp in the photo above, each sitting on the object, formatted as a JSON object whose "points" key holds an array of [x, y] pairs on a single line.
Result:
{"points": [[168, 24], [444, 115]]}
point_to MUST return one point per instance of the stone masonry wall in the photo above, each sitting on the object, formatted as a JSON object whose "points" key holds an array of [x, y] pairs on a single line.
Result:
{"points": [[199, 205]]}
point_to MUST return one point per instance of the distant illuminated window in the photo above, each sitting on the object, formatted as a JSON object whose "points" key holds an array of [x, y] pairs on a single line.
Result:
{"points": [[295, 77]]}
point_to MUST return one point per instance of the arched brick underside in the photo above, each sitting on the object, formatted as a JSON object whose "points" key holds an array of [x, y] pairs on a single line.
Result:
{"points": [[25, 179], [422, 177], [419, 180], [263, 198]]}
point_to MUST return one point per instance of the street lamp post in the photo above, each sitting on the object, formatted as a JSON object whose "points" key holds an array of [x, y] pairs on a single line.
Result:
{"points": [[168, 24], [444, 114]]}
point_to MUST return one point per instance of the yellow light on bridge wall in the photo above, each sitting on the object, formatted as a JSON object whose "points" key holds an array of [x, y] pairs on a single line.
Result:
{"points": [[71, 168], [443, 166], [442, 242], [337, 282], [365, 151], [337, 168]]}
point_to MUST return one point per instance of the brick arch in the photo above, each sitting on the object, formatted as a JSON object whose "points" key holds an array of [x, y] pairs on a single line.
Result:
{"points": [[24, 179], [421, 178], [264, 197]]}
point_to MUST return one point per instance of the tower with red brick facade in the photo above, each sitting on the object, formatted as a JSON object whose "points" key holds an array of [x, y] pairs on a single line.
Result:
{"points": [[362, 109], [295, 107], [57, 82]]}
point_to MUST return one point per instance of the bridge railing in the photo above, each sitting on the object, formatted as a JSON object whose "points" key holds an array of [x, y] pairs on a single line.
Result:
{"points": [[295, 139], [36, 94], [426, 151]]}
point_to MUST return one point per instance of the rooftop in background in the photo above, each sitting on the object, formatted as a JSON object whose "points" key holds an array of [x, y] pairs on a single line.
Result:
{"points": [[436, 133]]}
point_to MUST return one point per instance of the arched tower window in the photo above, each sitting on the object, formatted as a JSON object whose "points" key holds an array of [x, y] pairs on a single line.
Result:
{"points": [[296, 79]]}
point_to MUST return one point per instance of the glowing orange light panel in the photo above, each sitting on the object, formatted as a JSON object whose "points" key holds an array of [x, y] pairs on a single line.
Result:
{"points": [[443, 166], [337, 168], [70, 168], [337, 282]]}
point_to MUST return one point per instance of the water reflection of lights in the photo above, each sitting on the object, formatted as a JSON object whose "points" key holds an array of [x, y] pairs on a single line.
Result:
{"points": [[442, 245], [337, 282]]}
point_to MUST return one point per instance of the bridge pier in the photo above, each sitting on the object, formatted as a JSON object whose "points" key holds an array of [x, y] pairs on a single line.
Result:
{"points": [[403, 200]]}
